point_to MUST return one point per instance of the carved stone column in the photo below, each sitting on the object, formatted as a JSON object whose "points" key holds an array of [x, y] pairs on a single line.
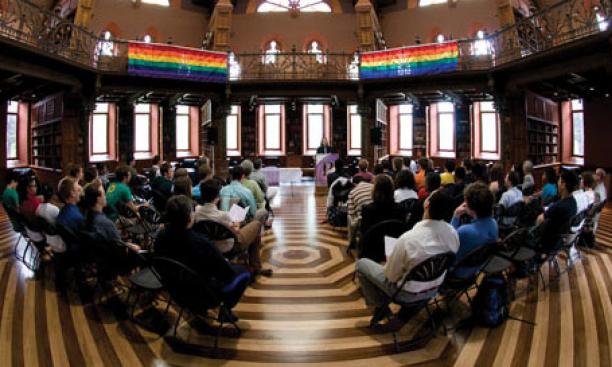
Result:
{"points": [[220, 25], [367, 26], [220, 110], [168, 130], [84, 13]]}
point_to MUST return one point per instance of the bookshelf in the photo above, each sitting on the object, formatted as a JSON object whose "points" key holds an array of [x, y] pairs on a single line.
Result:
{"points": [[46, 132], [542, 130]]}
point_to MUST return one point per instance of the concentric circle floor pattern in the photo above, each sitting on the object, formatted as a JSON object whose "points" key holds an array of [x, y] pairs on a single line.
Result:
{"points": [[309, 312]]}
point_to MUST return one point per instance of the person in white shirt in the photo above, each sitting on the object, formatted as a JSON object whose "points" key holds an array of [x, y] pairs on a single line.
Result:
{"points": [[248, 236], [582, 200], [600, 187], [404, 183], [432, 236], [47, 210], [360, 196]]}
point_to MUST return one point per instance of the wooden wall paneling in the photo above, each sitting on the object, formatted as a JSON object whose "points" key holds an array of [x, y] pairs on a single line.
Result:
{"points": [[168, 131], [463, 141], [339, 138], [220, 110], [249, 131], [126, 130], [419, 131]]}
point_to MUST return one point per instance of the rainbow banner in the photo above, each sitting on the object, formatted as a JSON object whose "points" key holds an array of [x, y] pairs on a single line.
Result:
{"points": [[410, 61], [167, 61]]}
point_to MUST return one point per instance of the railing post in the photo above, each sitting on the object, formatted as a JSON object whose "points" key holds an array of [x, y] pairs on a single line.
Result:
{"points": [[293, 62]]}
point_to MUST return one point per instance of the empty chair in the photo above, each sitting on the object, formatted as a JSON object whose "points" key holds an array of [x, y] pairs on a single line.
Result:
{"points": [[372, 245]]}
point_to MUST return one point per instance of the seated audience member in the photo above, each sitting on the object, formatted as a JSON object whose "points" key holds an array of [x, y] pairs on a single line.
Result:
{"points": [[119, 193], [387, 167], [378, 169], [410, 164], [582, 199], [10, 197], [182, 186], [204, 174], [103, 174], [482, 230], [363, 171], [404, 187], [398, 165], [29, 202], [47, 210], [432, 183], [69, 215], [383, 206], [457, 188], [180, 242], [130, 163], [258, 194], [479, 173], [600, 180], [587, 184], [447, 178], [549, 190], [556, 220], [73, 171], [181, 172], [235, 190], [513, 194], [163, 183], [248, 236], [360, 196], [429, 237], [260, 178], [528, 181], [90, 176], [497, 180], [104, 230], [155, 166], [468, 165], [419, 177], [337, 173]]}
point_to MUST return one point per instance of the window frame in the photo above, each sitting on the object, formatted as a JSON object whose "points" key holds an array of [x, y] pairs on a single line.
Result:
{"points": [[229, 151], [148, 114], [454, 134], [432, 2], [180, 152], [572, 113], [326, 129], [261, 127], [481, 129], [91, 132], [17, 122], [354, 150]]}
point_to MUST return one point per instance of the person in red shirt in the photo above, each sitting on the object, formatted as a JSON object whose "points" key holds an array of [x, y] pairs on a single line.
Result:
{"points": [[27, 189]]}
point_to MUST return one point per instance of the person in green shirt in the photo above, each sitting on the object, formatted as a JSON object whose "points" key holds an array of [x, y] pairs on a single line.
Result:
{"points": [[10, 198], [253, 186], [119, 193]]}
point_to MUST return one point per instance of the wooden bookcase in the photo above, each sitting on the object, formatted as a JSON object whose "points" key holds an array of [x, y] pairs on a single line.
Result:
{"points": [[542, 129], [47, 132]]}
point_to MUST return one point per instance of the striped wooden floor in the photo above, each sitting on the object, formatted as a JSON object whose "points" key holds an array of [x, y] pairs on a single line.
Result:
{"points": [[309, 312]]}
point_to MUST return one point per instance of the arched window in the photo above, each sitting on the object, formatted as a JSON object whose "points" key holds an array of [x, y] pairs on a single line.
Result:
{"points": [[481, 46], [105, 46], [600, 19], [440, 38], [272, 50], [279, 6], [147, 38], [234, 67], [157, 2], [423, 3], [315, 49]]}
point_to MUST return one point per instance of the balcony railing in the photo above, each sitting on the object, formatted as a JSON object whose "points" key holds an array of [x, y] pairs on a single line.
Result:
{"points": [[559, 24]]}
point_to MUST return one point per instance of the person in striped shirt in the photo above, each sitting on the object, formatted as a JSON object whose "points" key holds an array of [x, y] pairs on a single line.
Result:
{"points": [[359, 197]]}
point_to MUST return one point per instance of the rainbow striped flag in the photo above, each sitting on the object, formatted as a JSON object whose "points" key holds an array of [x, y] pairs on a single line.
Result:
{"points": [[409, 61], [167, 61]]}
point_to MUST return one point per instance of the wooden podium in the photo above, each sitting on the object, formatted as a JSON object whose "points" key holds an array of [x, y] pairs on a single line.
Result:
{"points": [[323, 163]]}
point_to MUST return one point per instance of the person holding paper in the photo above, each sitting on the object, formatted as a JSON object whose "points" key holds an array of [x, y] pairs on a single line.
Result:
{"points": [[249, 235], [245, 198], [429, 237]]}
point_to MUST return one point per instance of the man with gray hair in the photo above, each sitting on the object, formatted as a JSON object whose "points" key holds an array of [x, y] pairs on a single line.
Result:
{"points": [[600, 184], [250, 184], [259, 177]]}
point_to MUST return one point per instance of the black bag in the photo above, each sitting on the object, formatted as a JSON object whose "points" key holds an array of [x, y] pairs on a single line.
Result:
{"points": [[490, 306]]}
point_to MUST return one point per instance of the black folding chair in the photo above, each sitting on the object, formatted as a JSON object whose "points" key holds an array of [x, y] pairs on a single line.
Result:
{"points": [[372, 244], [507, 217], [189, 291], [426, 271], [218, 232]]}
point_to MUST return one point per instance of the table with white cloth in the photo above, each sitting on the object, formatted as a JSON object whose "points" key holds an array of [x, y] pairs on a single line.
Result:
{"points": [[272, 175]]}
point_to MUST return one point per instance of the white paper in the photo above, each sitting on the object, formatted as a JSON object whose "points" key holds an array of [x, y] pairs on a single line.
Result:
{"points": [[390, 243], [237, 213]]}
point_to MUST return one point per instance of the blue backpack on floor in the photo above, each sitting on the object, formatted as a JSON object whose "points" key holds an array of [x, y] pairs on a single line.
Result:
{"points": [[491, 304]]}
